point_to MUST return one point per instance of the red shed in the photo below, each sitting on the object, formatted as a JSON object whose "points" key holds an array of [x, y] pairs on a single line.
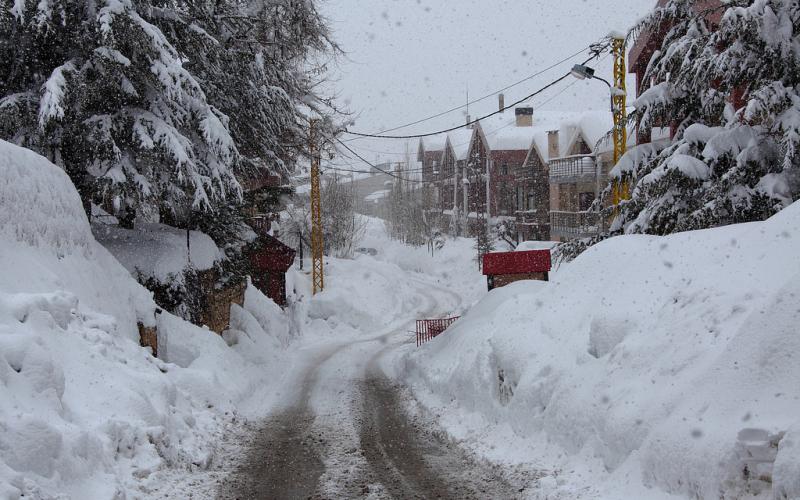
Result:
{"points": [[270, 259], [502, 268]]}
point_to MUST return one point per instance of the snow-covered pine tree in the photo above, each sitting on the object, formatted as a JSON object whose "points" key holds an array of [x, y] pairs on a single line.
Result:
{"points": [[734, 94], [258, 65], [154, 105]]}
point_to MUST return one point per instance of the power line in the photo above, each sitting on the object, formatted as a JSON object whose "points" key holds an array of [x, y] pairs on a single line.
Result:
{"points": [[530, 77], [490, 133], [510, 123], [344, 168], [376, 167], [419, 136]]}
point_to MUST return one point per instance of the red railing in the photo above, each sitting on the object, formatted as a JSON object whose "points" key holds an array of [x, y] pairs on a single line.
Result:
{"points": [[428, 329]]}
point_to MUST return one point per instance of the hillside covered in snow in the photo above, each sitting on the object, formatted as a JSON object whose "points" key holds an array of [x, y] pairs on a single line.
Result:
{"points": [[648, 367]]}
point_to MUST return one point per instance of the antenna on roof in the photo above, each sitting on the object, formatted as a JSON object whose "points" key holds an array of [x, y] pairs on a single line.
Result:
{"points": [[469, 118]]}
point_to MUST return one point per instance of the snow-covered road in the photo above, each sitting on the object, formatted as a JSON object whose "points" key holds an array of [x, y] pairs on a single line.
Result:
{"points": [[347, 433]]}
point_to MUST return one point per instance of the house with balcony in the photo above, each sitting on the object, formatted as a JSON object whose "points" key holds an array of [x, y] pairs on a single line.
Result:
{"points": [[581, 155], [531, 177], [430, 154], [509, 141], [500, 146], [451, 175]]}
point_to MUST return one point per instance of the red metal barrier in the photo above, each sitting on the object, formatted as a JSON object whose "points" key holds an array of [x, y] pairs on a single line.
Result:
{"points": [[428, 329]]}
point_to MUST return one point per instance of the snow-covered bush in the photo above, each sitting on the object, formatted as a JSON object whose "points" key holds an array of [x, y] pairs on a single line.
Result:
{"points": [[342, 227]]}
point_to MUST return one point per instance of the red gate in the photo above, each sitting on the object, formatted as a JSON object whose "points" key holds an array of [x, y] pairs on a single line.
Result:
{"points": [[427, 329]]}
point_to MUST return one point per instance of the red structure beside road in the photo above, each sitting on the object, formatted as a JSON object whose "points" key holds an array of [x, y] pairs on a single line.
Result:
{"points": [[270, 259], [428, 329], [503, 268]]}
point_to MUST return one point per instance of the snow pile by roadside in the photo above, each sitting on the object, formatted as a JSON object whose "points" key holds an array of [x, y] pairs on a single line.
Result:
{"points": [[648, 366], [372, 294], [84, 411], [452, 266]]}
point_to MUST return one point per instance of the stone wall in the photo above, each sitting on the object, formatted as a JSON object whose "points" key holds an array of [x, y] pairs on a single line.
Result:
{"points": [[148, 337], [498, 280], [216, 300]]}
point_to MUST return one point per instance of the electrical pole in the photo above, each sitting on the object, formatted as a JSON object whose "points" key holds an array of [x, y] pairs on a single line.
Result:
{"points": [[488, 190], [621, 188], [465, 202], [317, 243], [455, 216]]}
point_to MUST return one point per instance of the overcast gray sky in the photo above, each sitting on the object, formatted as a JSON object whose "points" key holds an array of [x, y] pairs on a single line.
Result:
{"points": [[407, 59]]}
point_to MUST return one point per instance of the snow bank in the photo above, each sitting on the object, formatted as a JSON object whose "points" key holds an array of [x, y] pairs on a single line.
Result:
{"points": [[525, 246], [664, 364], [369, 295], [85, 412], [47, 243]]}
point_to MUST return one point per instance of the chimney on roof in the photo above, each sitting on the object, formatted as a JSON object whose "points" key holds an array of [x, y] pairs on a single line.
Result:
{"points": [[524, 116], [501, 102], [552, 144]]}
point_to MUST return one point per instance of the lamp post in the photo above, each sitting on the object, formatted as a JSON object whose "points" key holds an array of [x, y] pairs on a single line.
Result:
{"points": [[582, 72]]}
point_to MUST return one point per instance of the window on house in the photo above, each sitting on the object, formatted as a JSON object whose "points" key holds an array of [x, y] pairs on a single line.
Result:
{"points": [[504, 169], [585, 201], [531, 202]]}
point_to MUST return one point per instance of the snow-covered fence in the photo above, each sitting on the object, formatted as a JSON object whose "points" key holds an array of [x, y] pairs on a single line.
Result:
{"points": [[427, 329]]}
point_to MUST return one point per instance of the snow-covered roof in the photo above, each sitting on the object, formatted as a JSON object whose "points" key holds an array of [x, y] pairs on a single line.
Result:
{"points": [[512, 138], [460, 141], [433, 143], [535, 245], [157, 250], [591, 126], [502, 133]]}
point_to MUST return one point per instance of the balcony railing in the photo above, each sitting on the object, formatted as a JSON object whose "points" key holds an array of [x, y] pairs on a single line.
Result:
{"points": [[573, 168], [575, 224], [529, 217]]}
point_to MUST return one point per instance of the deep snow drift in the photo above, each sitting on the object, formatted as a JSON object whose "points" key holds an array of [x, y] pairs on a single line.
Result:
{"points": [[649, 365], [84, 411]]}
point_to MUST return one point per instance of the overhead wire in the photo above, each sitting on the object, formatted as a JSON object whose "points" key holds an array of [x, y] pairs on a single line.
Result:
{"points": [[468, 103], [595, 48], [379, 135], [390, 174], [429, 134]]}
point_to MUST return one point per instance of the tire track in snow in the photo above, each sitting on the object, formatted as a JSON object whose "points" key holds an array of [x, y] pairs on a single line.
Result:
{"points": [[347, 434]]}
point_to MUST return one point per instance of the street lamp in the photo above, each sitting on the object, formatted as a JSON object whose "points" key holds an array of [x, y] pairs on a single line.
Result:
{"points": [[582, 72]]}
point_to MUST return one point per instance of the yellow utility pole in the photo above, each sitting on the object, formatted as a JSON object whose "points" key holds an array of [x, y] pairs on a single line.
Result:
{"points": [[317, 243], [621, 188]]}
